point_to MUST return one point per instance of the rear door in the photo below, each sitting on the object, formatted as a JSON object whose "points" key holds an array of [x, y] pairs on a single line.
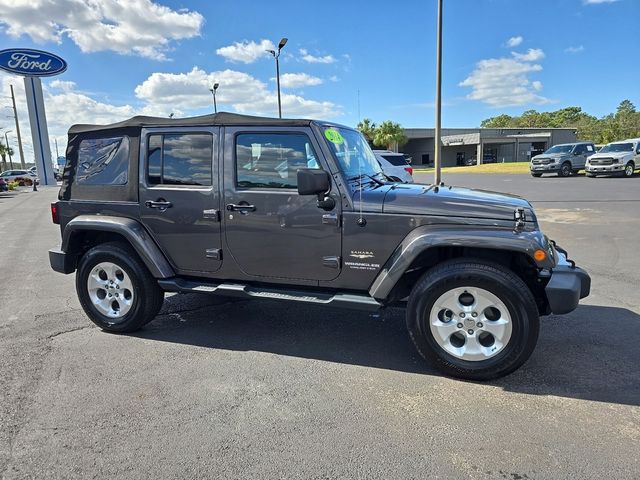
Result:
{"points": [[179, 195], [271, 231]]}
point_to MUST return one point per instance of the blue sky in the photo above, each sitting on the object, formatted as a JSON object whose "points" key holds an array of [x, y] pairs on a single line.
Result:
{"points": [[158, 57]]}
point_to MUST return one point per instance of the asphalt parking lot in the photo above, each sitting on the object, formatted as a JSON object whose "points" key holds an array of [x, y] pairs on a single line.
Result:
{"points": [[238, 389]]}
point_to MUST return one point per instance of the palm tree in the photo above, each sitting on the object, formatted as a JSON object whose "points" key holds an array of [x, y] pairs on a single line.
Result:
{"points": [[389, 134], [367, 128], [4, 151]]}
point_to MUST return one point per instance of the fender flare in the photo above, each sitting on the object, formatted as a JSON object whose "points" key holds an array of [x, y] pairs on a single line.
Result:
{"points": [[131, 230], [432, 236]]}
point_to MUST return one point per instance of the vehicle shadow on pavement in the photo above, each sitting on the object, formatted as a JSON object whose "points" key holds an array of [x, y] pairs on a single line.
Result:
{"points": [[590, 354]]}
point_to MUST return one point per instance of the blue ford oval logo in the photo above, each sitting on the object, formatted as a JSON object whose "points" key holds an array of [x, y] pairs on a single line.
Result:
{"points": [[30, 62]]}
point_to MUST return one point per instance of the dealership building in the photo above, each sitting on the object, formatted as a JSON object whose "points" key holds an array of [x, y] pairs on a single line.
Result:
{"points": [[463, 145]]}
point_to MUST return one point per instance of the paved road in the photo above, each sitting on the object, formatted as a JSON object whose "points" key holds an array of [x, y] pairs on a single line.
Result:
{"points": [[259, 389]]}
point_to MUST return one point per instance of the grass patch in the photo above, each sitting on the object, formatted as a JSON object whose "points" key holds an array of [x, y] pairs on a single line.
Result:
{"points": [[514, 167]]}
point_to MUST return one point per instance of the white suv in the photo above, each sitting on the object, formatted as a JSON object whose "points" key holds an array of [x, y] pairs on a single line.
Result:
{"points": [[395, 165], [622, 158]]}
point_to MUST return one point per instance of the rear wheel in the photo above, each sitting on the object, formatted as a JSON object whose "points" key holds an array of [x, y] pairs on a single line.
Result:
{"points": [[116, 290], [473, 320], [628, 169], [565, 170]]}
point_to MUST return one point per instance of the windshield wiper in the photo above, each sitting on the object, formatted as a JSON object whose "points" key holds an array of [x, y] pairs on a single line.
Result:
{"points": [[372, 178]]}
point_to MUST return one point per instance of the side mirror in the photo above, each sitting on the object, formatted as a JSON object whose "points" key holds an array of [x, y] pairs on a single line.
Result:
{"points": [[313, 181]]}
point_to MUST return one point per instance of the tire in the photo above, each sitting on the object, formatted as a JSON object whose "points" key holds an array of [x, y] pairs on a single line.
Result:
{"points": [[129, 298], [537, 175], [489, 284], [629, 168], [565, 170], [590, 175]]}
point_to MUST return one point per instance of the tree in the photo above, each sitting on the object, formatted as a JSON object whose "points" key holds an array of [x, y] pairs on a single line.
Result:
{"points": [[4, 151], [367, 128], [389, 134], [624, 123]]}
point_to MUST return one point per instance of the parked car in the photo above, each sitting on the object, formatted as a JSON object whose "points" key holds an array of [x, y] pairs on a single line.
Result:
{"points": [[564, 160], [619, 158], [395, 166], [56, 173], [486, 158], [151, 210], [23, 177]]}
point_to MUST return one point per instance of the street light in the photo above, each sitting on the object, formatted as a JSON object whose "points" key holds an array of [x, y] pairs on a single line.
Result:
{"points": [[213, 92], [283, 42]]}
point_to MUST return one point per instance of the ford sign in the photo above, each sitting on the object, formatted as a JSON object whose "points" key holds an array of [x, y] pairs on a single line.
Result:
{"points": [[31, 63]]}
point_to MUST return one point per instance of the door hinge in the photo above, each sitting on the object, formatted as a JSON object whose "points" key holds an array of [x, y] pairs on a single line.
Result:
{"points": [[212, 214], [330, 219], [214, 253], [331, 262]]}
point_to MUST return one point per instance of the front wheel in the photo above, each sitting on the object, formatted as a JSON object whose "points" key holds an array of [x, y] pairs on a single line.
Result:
{"points": [[474, 320], [537, 175], [565, 170], [115, 288], [628, 170]]}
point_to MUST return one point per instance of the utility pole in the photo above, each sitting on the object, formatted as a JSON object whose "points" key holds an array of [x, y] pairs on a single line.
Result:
{"points": [[15, 117], [55, 140], [438, 148]]}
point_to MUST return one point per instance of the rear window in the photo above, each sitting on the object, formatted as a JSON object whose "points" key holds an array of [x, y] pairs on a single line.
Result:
{"points": [[397, 160], [103, 161]]}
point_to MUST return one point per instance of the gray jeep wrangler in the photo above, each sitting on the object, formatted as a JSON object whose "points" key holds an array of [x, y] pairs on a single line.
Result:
{"points": [[300, 210]]}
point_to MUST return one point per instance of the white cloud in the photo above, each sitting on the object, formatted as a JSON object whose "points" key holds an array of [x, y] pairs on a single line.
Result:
{"points": [[246, 52], [297, 80], [307, 57], [135, 27], [578, 49], [244, 93], [595, 2], [502, 82], [514, 41], [532, 55]]}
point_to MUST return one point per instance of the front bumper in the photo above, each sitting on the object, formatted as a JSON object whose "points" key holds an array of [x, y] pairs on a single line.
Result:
{"points": [[613, 168], [567, 285], [551, 167]]}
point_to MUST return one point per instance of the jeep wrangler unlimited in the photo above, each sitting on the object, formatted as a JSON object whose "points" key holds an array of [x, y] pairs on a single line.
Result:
{"points": [[300, 210]]}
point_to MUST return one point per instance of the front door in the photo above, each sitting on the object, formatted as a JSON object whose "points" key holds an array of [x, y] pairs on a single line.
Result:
{"points": [[179, 196], [270, 230]]}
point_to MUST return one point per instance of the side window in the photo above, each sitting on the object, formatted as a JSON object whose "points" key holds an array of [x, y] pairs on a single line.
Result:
{"points": [[638, 148], [272, 160], [180, 159], [580, 149], [103, 161]]}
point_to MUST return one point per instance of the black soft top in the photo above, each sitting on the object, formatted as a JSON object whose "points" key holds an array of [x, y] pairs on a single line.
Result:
{"points": [[222, 118]]}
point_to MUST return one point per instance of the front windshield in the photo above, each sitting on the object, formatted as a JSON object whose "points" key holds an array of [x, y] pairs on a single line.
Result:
{"points": [[560, 149], [617, 147], [352, 152]]}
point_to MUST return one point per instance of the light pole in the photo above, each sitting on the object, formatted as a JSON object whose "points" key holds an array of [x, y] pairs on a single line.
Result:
{"points": [[438, 151], [6, 142], [213, 92], [276, 55]]}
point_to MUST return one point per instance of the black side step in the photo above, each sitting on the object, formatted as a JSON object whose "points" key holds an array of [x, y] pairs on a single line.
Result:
{"points": [[345, 300]]}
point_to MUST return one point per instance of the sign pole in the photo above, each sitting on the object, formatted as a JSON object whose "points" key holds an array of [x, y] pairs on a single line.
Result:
{"points": [[39, 130], [438, 148], [15, 116]]}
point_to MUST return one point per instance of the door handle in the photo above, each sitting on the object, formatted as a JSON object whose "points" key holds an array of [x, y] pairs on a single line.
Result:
{"points": [[160, 204], [245, 208]]}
